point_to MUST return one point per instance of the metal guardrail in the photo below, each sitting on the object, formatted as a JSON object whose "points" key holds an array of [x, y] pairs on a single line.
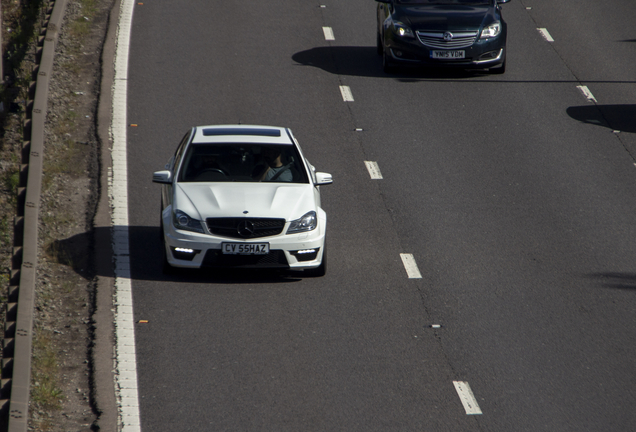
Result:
{"points": [[18, 332]]}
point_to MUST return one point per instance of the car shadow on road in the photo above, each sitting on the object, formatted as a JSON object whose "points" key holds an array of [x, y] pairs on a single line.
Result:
{"points": [[364, 61], [616, 280], [146, 260], [615, 117]]}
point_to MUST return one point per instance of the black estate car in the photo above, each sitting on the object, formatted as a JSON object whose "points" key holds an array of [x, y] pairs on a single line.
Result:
{"points": [[468, 34]]}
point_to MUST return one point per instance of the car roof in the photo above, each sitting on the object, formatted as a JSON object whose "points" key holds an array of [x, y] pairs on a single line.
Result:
{"points": [[242, 134]]}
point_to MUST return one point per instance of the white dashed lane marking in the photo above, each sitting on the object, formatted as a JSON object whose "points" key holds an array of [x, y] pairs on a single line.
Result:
{"points": [[467, 397], [587, 93], [328, 31], [546, 34], [347, 96], [374, 170], [411, 266]]}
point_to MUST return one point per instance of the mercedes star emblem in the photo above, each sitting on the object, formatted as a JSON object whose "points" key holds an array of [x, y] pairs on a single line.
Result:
{"points": [[245, 229]]}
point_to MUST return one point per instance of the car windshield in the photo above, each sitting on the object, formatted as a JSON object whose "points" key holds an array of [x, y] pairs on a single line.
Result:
{"points": [[242, 163], [447, 2]]}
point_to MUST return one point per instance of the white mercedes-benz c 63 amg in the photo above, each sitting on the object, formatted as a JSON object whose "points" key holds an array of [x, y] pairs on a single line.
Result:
{"points": [[239, 196]]}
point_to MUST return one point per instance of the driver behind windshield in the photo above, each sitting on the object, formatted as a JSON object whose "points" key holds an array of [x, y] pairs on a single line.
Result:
{"points": [[274, 169]]}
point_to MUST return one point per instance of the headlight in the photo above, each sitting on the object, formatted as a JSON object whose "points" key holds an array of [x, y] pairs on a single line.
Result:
{"points": [[491, 31], [401, 29], [306, 223], [182, 221]]}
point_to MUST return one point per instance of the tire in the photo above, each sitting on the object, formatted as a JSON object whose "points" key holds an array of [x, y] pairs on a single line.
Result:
{"points": [[166, 268], [321, 270], [387, 66], [379, 47]]}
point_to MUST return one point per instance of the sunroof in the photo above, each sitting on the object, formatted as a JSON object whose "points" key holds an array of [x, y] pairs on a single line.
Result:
{"points": [[242, 131]]}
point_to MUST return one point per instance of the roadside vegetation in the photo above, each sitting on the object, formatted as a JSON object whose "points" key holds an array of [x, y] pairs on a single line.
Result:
{"points": [[60, 387], [21, 23]]}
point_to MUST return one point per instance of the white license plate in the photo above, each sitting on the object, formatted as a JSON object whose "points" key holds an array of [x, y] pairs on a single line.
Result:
{"points": [[448, 54], [245, 248]]}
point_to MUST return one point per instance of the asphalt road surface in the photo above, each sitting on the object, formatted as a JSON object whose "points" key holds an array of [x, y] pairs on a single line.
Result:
{"points": [[515, 194]]}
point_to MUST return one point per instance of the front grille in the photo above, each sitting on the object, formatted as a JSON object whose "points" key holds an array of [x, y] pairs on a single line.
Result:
{"points": [[245, 227], [436, 39], [216, 258]]}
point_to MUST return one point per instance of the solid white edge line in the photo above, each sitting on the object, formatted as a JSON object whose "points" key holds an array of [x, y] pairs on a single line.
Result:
{"points": [[345, 91], [546, 34], [587, 93], [126, 363], [410, 266], [374, 170], [328, 31], [467, 398]]}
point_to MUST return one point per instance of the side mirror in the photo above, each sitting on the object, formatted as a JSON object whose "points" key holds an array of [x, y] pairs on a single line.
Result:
{"points": [[323, 179], [162, 177]]}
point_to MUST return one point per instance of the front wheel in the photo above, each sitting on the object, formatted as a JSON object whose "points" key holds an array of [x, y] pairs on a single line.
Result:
{"points": [[166, 268], [387, 66]]}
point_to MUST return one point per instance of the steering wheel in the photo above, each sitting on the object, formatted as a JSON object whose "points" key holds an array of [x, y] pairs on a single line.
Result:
{"points": [[219, 170]]}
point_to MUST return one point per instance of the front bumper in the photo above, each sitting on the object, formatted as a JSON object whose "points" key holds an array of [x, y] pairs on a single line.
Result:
{"points": [[483, 54], [300, 251]]}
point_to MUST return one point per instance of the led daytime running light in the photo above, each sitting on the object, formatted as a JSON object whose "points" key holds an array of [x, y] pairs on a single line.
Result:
{"points": [[183, 250]]}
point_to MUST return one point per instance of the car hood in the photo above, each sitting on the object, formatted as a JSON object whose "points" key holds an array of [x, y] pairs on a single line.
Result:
{"points": [[444, 17], [267, 200]]}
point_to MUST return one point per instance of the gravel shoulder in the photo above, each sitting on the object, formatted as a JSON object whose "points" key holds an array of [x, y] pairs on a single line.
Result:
{"points": [[63, 371]]}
